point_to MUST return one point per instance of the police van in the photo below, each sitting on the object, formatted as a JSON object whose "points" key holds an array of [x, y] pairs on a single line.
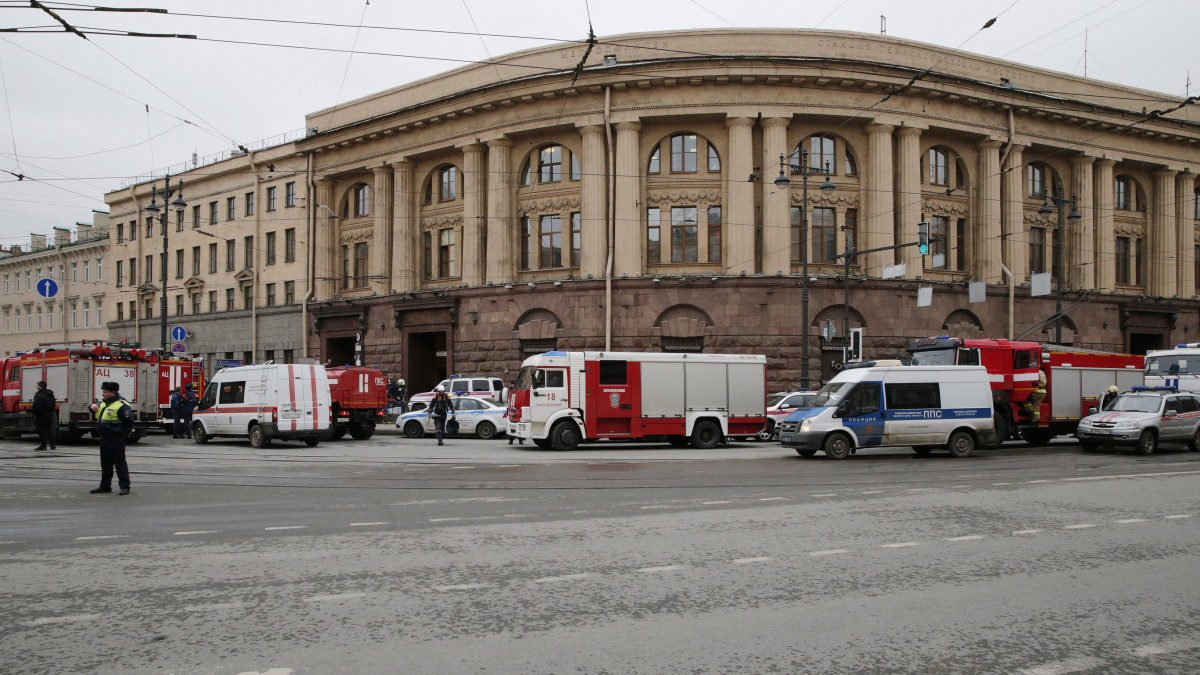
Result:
{"points": [[264, 402], [887, 404]]}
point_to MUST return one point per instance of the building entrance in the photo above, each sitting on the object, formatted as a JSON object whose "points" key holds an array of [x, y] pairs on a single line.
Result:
{"points": [[426, 359], [339, 351], [1140, 343]]}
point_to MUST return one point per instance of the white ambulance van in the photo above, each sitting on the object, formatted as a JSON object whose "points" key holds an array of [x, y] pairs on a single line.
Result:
{"points": [[893, 405], [264, 402]]}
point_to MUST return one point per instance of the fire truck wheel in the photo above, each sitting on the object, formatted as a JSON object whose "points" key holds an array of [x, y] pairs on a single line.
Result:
{"points": [[837, 446], [565, 436], [338, 432], [1147, 443], [199, 434], [766, 432], [962, 444], [1002, 429], [1036, 435], [543, 442], [258, 437], [706, 435], [678, 441], [485, 430], [361, 432], [414, 429]]}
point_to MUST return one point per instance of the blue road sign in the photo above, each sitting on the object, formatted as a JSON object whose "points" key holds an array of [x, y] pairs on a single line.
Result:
{"points": [[228, 363], [178, 333], [179, 349], [47, 288]]}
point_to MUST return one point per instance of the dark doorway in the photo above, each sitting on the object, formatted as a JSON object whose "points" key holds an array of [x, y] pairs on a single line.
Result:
{"points": [[339, 351], [426, 360], [1140, 343]]}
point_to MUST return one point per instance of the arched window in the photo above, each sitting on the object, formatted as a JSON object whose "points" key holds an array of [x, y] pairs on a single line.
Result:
{"points": [[1122, 198], [550, 164], [820, 153], [1035, 180], [526, 174], [447, 184], [714, 161], [683, 153], [654, 166], [938, 167], [851, 165], [358, 202], [1196, 210]]}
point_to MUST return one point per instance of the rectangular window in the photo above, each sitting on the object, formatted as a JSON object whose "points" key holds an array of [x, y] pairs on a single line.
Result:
{"points": [[289, 245], [653, 236], [230, 208], [427, 255], [132, 310], [133, 271], [576, 238], [714, 234], [212, 213], [195, 261], [230, 254], [526, 242], [939, 240], [270, 295], [683, 153], [289, 194], [361, 256], [196, 215], [1139, 252], [179, 221], [149, 268], [179, 263], [960, 252], [1037, 250], [87, 271], [212, 301], [132, 230], [550, 234], [99, 269], [1121, 194], [148, 308], [196, 303], [229, 300], [447, 265], [120, 271], [287, 355], [347, 278], [249, 251], [149, 227], [270, 248], [851, 231], [249, 203], [289, 292], [120, 232], [824, 235], [912, 395], [271, 198], [684, 229], [6, 284], [179, 304], [212, 258], [233, 392], [248, 296], [1055, 254], [120, 313], [613, 372], [74, 273]]}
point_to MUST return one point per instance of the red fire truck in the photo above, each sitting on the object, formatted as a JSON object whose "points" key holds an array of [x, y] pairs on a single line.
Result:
{"points": [[177, 371], [358, 395], [74, 373], [1075, 379], [561, 399]]}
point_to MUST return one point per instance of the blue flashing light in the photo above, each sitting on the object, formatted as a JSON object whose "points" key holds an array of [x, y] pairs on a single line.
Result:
{"points": [[1188, 345], [554, 354], [1155, 388]]}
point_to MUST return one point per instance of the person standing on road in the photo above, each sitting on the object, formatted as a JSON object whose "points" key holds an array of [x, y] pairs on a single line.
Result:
{"points": [[43, 417], [439, 408], [190, 401], [177, 413], [114, 420], [1108, 397], [402, 395]]}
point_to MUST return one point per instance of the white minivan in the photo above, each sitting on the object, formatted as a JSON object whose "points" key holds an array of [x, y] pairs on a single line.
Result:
{"points": [[872, 406], [264, 402]]}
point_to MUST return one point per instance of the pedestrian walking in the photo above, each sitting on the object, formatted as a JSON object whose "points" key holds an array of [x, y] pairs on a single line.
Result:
{"points": [[190, 401], [439, 408], [114, 420], [177, 401], [43, 417]]}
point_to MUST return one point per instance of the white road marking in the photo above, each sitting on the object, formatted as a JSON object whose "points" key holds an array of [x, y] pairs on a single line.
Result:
{"points": [[903, 544], [184, 532], [772, 499], [747, 561], [285, 527], [831, 494], [661, 568], [1065, 666], [269, 671], [662, 506], [70, 618], [1177, 516], [969, 537], [956, 487], [1130, 520], [1038, 481], [461, 587], [1026, 531], [832, 551], [9, 542], [509, 466], [213, 607], [368, 524], [443, 520], [1166, 647], [872, 492], [712, 503], [1001, 483], [1131, 475], [564, 577], [1080, 526], [103, 536], [341, 596], [462, 467]]}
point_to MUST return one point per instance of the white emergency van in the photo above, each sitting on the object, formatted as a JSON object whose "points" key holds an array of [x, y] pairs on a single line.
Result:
{"points": [[264, 402], [893, 405]]}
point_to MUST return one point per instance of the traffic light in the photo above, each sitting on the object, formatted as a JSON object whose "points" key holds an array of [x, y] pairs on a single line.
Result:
{"points": [[923, 238]]}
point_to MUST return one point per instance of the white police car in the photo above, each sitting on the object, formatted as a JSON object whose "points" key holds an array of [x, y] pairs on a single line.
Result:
{"points": [[780, 406], [473, 386], [482, 417], [1142, 418]]}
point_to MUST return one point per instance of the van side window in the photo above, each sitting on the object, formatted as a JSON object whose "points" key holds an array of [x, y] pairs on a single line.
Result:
{"points": [[460, 385], [613, 372], [1024, 360], [865, 398], [554, 378], [209, 399], [968, 357], [480, 385], [233, 392], [913, 395]]}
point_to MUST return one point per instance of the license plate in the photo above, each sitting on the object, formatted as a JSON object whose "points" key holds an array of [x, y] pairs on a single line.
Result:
{"points": [[290, 414], [787, 439], [1102, 432]]}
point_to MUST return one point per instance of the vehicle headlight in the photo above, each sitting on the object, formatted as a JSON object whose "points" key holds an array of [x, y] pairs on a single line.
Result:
{"points": [[1084, 423], [805, 425], [1125, 425]]}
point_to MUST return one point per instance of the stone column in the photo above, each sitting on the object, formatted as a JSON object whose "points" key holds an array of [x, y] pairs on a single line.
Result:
{"points": [[1014, 248], [739, 197], [777, 221], [1185, 233], [908, 195], [593, 203], [987, 220], [1161, 228], [326, 268], [1102, 199], [381, 233], [630, 237], [877, 226], [474, 214], [501, 211], [1081, 262], [405, 232]]}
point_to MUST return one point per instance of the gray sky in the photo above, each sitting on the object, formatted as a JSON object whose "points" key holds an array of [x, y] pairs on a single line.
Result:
{"points": [[74, 112]]}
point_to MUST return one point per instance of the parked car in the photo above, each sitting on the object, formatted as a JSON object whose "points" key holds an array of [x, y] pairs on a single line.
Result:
{"points": [[459, 385], [1142, 418], [780, 406], [479, 416]]}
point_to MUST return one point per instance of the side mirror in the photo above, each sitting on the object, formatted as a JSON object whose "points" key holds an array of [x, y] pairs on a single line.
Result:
{"points": [[1092, 410], [1171, 413]]}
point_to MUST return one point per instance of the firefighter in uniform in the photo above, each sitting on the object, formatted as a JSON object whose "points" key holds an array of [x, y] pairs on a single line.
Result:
{"points": [[1033, 405], [114, 419]]}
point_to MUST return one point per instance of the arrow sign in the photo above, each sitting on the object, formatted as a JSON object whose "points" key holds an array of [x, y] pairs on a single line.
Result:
{"points": [[47, 288], [178, 334]]}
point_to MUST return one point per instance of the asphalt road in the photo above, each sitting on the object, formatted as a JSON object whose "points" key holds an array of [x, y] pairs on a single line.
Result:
{"points": [[395, 555]]}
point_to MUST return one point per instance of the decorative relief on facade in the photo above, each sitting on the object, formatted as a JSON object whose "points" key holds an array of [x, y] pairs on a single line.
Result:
{"points": [[535, 207], [1129, 230], [834, 199], [356, 235], [684, 197], [537, 329], [940, 207], [442, 223], [1035, 219]]}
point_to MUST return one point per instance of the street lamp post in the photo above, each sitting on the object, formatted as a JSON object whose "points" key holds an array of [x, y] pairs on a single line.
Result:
{"points": [[161, 213], [1059, 202], [782, 182]]}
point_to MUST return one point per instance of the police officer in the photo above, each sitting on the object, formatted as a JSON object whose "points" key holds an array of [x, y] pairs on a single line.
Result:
{"points": [[190, 401], [177, 401], [439, 408], [43, 416], [114, 419]]}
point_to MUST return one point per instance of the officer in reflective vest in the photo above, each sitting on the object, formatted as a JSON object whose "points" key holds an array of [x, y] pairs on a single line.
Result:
{"points": [[114, 419]]}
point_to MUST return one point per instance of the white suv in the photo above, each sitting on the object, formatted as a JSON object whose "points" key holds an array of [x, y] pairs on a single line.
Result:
{"points": [[1142, 418], [464, 385]]}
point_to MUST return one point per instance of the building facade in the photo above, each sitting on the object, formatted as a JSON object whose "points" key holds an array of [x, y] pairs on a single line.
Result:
{"points": [[78, 265], [236, 259]]}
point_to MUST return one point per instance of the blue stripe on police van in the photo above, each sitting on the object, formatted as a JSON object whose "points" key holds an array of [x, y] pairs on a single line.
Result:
{"points": [[938, 413]]}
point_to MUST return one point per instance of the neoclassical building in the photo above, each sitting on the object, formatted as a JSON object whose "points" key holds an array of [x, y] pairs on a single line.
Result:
{"points": [[625, 196]]}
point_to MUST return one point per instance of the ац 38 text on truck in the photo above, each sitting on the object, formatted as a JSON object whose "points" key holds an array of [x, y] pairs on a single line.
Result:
{"points": [[562, 399]]}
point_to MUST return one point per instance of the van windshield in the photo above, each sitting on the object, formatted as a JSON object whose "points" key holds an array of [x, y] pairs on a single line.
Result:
{"points": [[829, 395], [1137, 403], [524, 378], [934, 357], [1173, 364]]}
